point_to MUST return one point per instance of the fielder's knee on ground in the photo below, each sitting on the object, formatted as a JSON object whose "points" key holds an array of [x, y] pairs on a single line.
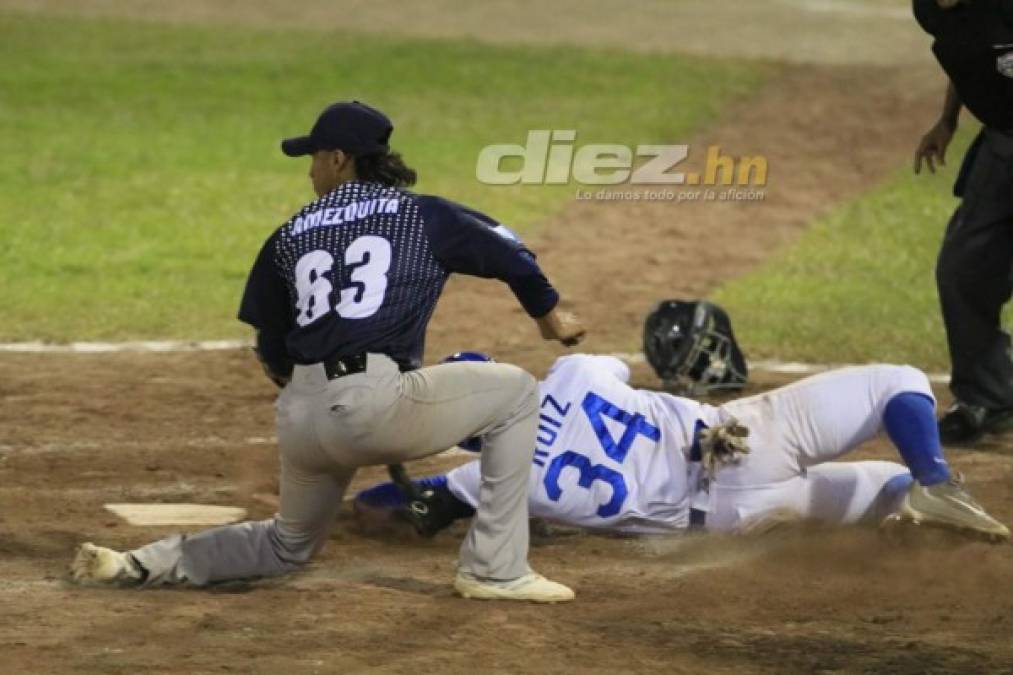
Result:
{"points": [[240, 551]]}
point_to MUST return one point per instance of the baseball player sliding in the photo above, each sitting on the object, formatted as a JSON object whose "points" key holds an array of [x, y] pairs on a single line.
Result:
{"points": [[340, 296], [611, 457]]}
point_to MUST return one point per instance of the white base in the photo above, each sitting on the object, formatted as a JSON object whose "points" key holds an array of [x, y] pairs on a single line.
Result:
{"points": [[154, 515]]}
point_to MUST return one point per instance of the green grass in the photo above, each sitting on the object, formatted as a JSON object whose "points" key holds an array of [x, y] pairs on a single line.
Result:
{"points": [[860, 284], [140, 165]]}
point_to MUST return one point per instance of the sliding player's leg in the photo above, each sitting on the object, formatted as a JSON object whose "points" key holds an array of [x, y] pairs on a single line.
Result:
{"points": [[822, 418]]}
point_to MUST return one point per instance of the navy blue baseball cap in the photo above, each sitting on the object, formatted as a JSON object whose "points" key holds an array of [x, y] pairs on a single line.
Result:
{"points": [[354, 127]]}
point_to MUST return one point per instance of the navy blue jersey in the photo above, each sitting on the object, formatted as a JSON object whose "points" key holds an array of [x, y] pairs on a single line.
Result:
{"points": [[974, 45], [361, 269]]}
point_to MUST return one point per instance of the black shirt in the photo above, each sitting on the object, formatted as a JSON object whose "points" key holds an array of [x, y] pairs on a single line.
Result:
{"points": [[361, 269], [974, 45]]}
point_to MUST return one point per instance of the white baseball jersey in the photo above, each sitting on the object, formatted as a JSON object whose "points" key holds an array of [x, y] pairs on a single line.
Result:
{"points": [[607, 456]]}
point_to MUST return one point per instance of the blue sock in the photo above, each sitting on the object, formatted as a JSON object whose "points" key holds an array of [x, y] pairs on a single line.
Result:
{"points": [[910, 421], [384, 495], [388, 495]]}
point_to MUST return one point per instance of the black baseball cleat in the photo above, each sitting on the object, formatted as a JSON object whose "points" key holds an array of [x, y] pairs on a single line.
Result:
{"points": [[966, 424]]}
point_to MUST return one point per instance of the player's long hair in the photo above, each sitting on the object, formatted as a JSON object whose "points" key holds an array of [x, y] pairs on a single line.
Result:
{"points": [[385, 168]]}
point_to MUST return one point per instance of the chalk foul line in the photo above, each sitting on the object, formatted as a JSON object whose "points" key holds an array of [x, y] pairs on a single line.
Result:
{"points": [[172, 346]]}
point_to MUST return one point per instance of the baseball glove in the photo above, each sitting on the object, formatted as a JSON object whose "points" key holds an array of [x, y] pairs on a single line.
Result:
{"points": [[428, 509], [722, 445]]}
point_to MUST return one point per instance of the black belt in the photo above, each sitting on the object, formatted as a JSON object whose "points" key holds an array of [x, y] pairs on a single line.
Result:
{"points": [[697, 518], [340, 366]]}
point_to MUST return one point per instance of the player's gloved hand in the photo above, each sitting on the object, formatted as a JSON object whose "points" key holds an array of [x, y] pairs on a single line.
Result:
{"points": [[933, 145], [722, 445], [428, 508], [561, 326]]}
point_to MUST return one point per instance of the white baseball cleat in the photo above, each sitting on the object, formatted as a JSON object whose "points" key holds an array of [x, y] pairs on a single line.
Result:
{"points": [[99, 565], [949, 505], [531, 587]]}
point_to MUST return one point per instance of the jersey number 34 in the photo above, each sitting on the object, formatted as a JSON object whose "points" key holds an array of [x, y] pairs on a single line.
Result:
{"points": [[369, 259], [597, 409]]}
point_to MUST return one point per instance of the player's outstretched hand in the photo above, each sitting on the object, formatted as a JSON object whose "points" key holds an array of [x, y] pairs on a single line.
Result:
{"points": [[933, 146], [562, 326]]}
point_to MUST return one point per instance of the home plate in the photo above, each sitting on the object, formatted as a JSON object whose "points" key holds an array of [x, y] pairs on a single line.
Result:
{"points": [[154, 515]]}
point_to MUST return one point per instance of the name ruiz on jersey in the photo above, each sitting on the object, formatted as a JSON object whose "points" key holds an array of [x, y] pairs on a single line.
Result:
{"points": [[345, 214], [549, 424]]}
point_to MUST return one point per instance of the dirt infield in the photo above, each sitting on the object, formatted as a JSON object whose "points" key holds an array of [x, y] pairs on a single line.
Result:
{"points": [[82, 430]]}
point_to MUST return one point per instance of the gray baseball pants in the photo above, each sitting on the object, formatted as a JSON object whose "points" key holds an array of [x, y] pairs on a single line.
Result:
{"points": [[328, 428]]}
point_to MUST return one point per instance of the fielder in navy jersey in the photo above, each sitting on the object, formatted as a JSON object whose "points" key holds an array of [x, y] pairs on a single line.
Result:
{"points": [[399, 249], [340, 296]]}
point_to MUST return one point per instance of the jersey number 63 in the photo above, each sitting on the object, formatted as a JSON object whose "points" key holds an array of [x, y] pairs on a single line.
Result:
{"points": [[369, 259]]}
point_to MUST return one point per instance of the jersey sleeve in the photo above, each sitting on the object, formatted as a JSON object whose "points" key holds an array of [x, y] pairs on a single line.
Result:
{"points": [[469, 242], [928, 15], [266, 304], [465, 481]]}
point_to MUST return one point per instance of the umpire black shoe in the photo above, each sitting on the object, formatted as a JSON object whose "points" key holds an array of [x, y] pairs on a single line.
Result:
{"points": [[965, 424]]}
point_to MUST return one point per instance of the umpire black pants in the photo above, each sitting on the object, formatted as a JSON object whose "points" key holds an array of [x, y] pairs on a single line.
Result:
{"points": [[974, 273]]}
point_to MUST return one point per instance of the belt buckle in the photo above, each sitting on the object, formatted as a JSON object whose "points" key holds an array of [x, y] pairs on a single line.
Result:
{"points": [[335, 368], [340, 368], [346, 365]]}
